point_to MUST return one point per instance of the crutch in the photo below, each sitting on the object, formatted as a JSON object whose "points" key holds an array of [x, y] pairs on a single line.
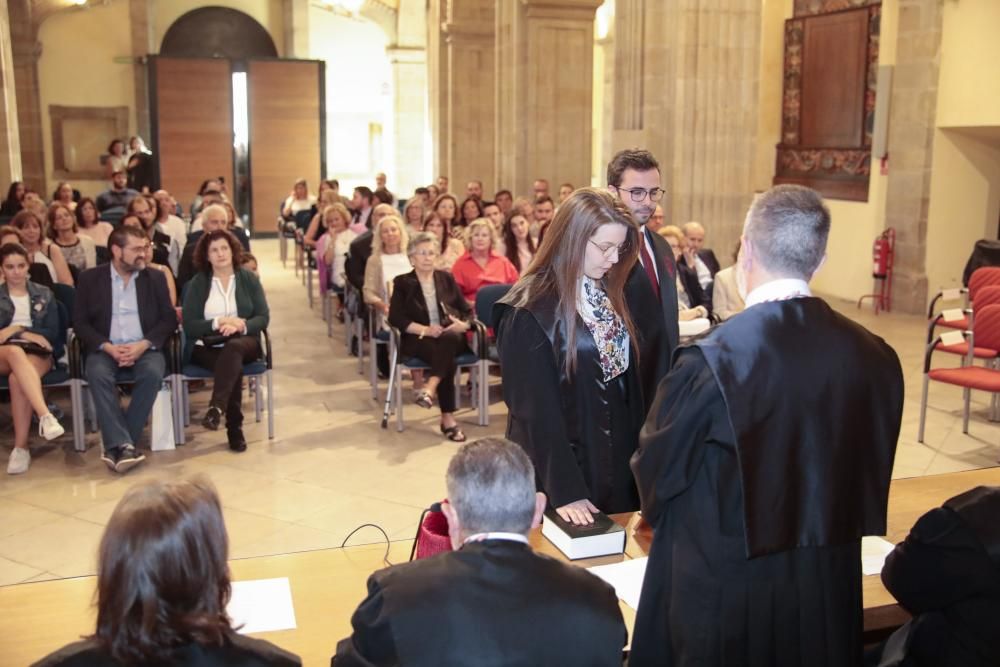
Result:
{"points": [[393, 358]]}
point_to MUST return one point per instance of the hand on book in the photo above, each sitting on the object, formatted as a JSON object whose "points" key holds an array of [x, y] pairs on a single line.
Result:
{"points": [[579, 512]]}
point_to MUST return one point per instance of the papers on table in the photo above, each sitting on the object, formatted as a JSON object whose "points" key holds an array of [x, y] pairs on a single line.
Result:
{"points": [[626, 577], [873, 553], [693, 327], [262, 605]]}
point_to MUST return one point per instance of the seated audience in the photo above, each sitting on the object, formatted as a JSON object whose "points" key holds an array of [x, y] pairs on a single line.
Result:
{"points": [[441, 184], [33, 202], [333, 184], [118, 195], [691, 300], [387, 261], [37, 273], [213, 217], [224, 312], [163, 584], [445, 207], [210, 197], [518, 245], [655, 221], [482, 264], [505, 200], [117, 160], [726, 299], [123, 316], [362, 204], [491, 601], [474, 189], [432, 316], [946, 573], [361, 247], [79, 251], [132, 220], [166, 250], [413, 215], [40, 249], [383, 196], [249, 262], [492, 212], [540, 188], [90, 225], [433, 192], [334, 246], [317, 226], [526, 207], [544, 210], [29, 328], [141, 167], [167, 219], [565, 190], [12, 203], [424, 194], [235, 226], [209, 185], [451, 248], [472, 209], [65, 195], [697, 257], [299, 199]]}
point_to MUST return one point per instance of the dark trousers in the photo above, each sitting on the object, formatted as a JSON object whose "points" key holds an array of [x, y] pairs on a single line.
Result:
{"points": [[439, 353], [226, 363], [117, 427]]}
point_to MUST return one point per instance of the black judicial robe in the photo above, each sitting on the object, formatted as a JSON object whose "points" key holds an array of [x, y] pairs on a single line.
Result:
{"points": [[767, 455], [579, 431]]}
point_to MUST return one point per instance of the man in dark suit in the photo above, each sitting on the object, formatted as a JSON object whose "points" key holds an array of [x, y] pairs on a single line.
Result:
{"points": [[124, 317], [491, 601], [213, 217], [702, 258], [651, 289]]}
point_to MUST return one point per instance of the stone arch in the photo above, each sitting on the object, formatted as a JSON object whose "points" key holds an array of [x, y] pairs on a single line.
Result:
{"points": [[217, 32]]}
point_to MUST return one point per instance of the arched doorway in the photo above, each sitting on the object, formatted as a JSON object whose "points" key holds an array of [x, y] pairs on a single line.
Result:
{"points": [[217, 32]]}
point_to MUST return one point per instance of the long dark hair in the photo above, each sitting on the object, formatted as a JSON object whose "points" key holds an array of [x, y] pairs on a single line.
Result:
{"points": [[208, 238], [12, 204], [558, 266], [461, 220], [510, 241], [162, 578]]}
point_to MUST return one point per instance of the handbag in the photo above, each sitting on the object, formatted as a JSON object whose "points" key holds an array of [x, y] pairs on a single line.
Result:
{"points": [[29, 347], [215, 339], [432, 535], [162, 428]]}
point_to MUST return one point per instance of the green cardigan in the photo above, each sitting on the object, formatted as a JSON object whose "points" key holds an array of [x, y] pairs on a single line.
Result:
{"points": [[251, 305]]}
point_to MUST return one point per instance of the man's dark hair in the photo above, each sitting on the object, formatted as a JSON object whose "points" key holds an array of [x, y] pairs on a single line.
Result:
{"points": [[421, 191], [366, 192], [8, 249], [502, 192], [383, 196], [630, 158], [119, 237], [544, 199]]}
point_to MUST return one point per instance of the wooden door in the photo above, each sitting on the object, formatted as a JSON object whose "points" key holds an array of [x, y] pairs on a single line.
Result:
{"points": [[192, 121], [285, 100]]}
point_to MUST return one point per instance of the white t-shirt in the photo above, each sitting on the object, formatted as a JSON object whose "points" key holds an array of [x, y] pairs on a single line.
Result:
{"points": [[22, 310]]}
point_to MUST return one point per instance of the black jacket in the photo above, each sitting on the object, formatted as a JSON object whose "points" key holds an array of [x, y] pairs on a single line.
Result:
{"points": [[706, 255], [408, 304], [357, 257], [92, 307], [696, 295], [490, 603]]}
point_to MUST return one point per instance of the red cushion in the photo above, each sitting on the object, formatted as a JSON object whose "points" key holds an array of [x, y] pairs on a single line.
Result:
{"points": [[974, 377], [963, 349], [955, 324]]}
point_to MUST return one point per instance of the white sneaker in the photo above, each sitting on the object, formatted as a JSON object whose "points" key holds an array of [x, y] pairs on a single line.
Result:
{"points": [[19, 461], [49, 427]]}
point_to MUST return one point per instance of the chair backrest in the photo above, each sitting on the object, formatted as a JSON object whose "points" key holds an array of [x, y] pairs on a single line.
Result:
{"points": [[987, 296], [986, 327], [64, 324], [302, 219], [486, 298], [66, 294], [983, 277]]}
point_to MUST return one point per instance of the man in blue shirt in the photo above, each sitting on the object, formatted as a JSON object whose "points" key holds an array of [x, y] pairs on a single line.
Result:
{"points": [[123, 316]]}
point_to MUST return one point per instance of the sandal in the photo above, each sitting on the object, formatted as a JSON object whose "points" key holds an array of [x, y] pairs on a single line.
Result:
{"points": [[424, 400], [453, 433]]}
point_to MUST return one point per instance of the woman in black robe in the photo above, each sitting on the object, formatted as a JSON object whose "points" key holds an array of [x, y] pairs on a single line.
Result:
{"points": [[570, 376]]}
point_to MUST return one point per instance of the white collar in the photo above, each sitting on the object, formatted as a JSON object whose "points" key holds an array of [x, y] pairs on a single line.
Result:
{"points": [[482, 537], [778, 290]]}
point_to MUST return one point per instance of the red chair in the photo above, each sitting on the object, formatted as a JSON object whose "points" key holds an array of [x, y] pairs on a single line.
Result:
{"points": [[987, 296], [985, 333], [983, 277]]}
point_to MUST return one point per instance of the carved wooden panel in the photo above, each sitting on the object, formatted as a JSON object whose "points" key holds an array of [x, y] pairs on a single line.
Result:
{"points": [[831, 67], [80, 137]]}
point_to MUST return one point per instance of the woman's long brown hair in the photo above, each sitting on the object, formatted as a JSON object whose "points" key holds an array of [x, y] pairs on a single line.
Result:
{"points": [[558, 266]]}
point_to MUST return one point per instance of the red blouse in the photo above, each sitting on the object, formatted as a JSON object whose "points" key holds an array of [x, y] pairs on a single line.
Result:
{"points": [[470, 276]]}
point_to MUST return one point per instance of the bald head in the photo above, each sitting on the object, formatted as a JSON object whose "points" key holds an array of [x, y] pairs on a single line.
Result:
{"points": [[695, 235]]}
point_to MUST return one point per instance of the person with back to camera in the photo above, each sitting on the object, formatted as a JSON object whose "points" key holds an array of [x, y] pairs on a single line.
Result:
{"points": [[163, 584], [566, 343], [224, 312]]}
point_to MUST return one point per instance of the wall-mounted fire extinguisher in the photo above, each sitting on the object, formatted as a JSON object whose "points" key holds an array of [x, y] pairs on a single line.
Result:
{"points": [[880, 256]]}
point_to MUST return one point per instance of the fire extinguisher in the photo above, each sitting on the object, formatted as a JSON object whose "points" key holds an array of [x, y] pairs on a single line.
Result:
{"points": [[880, 256]]}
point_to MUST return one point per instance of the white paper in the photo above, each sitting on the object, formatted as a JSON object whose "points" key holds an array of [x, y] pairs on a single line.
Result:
{"points": [[951, 294], [693, 327], [873, 553], [262, 605], [952, 314], [626, 577], [952, 337]]}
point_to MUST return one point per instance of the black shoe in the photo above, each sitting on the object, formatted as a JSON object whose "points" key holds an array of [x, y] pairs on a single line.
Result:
{"points": [[237, 442], [128, 458], [212, 418], [110, 458]]}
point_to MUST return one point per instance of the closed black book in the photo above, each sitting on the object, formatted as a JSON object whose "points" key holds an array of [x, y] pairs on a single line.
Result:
{"points": [[601, 538]]}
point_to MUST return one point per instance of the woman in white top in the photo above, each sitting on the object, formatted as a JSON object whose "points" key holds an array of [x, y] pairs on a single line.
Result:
{"points": [[40, 249], [29, 316], [89, 223], [78, 251], [334, 244], [298, 200], [388, 260]]}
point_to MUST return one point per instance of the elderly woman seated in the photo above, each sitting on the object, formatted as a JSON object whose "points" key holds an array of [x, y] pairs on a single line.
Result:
{"points": [[482, 265], [691, 301], [433, 316]]}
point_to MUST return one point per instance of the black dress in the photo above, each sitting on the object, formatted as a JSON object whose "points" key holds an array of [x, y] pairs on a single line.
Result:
{"points": [[579, 431]]}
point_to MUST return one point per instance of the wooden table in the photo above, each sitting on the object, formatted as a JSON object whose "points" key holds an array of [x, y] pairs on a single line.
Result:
{"points": [[327, 585]]}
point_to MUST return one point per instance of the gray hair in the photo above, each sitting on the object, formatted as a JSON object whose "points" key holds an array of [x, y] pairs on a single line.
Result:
{"points": [[419, 239], [788, 226], [491, 485]]}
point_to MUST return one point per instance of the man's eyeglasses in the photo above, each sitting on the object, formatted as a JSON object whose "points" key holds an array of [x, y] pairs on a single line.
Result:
{"points": [[638, 194], [426, 253], [608, 249]]}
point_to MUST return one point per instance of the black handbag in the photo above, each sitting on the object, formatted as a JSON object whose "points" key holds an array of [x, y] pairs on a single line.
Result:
{"points": [[215, 339], [29, 347]]}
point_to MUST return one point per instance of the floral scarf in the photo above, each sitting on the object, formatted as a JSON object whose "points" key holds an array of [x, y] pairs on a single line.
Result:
{"points": [[606, 326]]}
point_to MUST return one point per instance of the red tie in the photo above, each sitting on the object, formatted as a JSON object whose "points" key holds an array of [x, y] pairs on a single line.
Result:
{"points": [[647, 263]]}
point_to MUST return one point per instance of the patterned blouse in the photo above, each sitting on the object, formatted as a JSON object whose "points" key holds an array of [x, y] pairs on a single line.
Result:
{"points": [[606, 326]]}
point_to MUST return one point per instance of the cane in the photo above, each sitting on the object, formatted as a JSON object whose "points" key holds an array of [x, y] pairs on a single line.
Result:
{"points": [[393, 358]]}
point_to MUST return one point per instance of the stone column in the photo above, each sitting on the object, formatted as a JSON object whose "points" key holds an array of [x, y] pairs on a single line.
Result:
{"points": [[10, 143], [25, 51], [140, 23], [911, 147], [437, 86], [629, 68], [409, 82], [296, 19], [545, 58]]}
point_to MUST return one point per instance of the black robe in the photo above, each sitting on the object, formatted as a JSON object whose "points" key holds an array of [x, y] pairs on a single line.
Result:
{"points": [[765, 458], [579, 431]]}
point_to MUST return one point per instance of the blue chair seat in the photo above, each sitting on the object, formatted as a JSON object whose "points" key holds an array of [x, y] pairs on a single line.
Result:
{"points": [[382, 335], [464, 359], [196, 371]]}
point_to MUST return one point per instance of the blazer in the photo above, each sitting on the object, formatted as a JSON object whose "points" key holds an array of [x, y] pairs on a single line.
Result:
{"points": [[357, 259], [92, 307], [408, 305], [251, 305], [708, 257], [494, 602], [696, 295], [655, 319], [726, 299]]}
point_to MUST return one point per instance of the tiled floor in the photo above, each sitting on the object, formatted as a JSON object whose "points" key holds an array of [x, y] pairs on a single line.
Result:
{"points": [[331, 468]]}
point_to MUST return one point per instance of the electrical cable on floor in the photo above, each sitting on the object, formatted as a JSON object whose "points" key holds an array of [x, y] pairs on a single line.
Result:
{"points": [[385, 558]]}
